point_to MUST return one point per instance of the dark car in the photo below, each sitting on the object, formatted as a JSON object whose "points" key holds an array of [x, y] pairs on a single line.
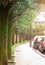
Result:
{"points": [[39, 43]]}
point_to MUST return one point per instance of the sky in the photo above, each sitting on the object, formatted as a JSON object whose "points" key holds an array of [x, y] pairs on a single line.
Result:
{"points": [[40, 17]]}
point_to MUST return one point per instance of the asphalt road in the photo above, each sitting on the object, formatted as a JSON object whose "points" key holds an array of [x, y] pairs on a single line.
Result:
{"points": [[26, 55], [38, 52]]}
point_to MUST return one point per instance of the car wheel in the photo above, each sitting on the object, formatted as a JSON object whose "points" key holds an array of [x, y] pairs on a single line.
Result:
{"points": [[40, 48]]}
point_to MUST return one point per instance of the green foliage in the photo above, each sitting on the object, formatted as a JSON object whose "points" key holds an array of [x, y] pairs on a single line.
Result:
{"points": [[39, 28], [23, 22], [18, 8], [22, 13]]}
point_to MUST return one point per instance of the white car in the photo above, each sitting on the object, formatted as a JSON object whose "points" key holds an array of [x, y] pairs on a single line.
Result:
{"points": [[39, 43]]}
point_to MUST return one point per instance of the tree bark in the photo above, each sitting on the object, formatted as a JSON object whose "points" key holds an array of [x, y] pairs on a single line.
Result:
{"points": [[30, 35], [4, 43], [23, 35], [19, 37], [0, 46], [16, 36], [4, 39], [9, 42]]}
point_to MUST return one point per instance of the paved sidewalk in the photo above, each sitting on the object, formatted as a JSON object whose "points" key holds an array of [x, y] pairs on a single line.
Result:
{"points": [[25, 55]]}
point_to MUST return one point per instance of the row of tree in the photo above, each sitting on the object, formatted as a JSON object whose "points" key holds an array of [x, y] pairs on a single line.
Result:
{"points": [[38, 28], [15, 17]]}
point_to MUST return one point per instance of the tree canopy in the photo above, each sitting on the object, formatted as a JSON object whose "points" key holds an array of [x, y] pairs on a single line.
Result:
{"points": [[23, 13]]}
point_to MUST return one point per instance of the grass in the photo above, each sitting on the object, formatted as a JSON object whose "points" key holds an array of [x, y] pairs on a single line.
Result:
{"points": [[10, 60]]}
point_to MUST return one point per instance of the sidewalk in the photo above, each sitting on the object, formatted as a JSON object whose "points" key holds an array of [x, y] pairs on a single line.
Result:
{"points": [[25, 55]]}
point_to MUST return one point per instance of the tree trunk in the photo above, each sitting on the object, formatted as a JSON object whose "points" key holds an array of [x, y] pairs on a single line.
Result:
{"points": [[30, 35], [0, 46], [19, 37], [9, 42], [4, 39], [23, 37], [13, 33], [3, 42], [26, 37], [16, 36]]}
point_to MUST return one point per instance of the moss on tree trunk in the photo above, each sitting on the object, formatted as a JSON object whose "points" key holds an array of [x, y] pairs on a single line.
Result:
{"points": [[3, 42], [4, 36], [9, 40]]}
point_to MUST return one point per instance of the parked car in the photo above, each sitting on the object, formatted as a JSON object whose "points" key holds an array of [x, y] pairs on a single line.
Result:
{"points": [[39, 43]]}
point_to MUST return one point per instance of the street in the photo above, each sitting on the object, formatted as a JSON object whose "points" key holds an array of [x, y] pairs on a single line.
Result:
{"points": [[26, 55], [38, 52]]}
